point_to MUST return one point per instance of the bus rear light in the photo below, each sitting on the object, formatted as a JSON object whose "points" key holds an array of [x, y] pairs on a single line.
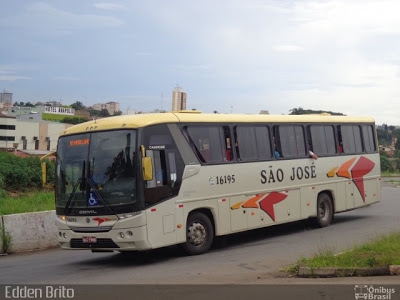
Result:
{"points": [[179, 226], [223, 200], [153, 209], [180, 205]]}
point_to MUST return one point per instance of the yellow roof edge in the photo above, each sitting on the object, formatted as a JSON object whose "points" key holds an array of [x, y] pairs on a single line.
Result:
{"points": [[143, 120], [186, 112]]}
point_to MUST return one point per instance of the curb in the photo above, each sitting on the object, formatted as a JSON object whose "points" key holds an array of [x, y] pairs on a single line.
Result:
{"points": [[348, 272]]}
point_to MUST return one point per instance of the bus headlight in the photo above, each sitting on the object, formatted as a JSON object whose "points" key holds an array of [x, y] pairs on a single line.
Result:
{"points": [[128, 215]]}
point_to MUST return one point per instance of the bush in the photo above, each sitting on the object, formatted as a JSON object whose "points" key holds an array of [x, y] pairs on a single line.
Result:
{"points": [[386, 166], [18, 173]]}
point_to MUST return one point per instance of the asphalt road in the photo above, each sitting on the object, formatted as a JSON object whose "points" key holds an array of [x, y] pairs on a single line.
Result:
{"points": [[251, 257]]}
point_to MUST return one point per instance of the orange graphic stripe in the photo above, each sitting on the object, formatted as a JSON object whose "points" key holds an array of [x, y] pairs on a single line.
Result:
{"points": [[251, 203], [344, 169], [237, 205], [332, 172]]}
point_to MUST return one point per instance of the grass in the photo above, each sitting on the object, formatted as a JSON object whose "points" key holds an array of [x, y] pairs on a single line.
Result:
{"points": [[380, 252], [26, 202], [389, 174], [52, 117]]}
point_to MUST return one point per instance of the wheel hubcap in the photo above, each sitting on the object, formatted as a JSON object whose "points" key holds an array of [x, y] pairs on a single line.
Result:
{"points": [[322, 211], [197, 234]]}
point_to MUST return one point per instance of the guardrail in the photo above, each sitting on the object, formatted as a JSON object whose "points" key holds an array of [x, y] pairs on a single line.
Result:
{"points": [[31, 231]]}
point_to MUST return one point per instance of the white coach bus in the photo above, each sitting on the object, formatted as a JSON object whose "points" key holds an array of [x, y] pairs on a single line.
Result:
{"points": [[147, 181]]}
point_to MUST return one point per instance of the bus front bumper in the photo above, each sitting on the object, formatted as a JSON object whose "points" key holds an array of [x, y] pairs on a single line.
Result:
{"points": [[116, 239]]}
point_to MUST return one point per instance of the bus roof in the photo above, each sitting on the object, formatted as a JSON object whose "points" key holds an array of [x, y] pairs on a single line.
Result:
{"points": [[142, 120]]}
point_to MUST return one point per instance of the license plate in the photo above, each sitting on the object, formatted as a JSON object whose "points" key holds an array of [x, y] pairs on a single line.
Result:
{"points": [[89, 239]]}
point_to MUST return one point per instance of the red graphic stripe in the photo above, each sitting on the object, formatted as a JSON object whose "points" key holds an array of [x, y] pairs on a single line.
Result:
{"points": [[267, 204], [361, 168]]}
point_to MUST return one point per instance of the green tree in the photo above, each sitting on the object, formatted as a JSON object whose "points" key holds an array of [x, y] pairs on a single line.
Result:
{"points": [[296, 111], [117, 113], [386, 165], [301, 111], [78, 105], [384, 137], [104, 113], [28, 104]]}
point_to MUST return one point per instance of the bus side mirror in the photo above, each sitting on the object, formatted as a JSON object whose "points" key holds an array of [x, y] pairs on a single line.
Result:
{"points": [[147, 168]]}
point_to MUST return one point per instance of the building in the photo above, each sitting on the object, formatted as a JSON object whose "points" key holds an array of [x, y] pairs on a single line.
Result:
{"points": [[27, 134], [112, 107], [178, 99], [5, 100]]}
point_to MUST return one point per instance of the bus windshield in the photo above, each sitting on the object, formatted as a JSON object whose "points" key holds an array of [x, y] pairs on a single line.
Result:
{"points": [[97, 170]]}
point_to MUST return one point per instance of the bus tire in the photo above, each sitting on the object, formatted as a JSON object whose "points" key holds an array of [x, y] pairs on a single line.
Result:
{"points": [[324, 210], [199, 234]]}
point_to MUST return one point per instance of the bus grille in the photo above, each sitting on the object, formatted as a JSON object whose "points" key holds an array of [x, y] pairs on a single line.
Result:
{"points": [[101, 243]]}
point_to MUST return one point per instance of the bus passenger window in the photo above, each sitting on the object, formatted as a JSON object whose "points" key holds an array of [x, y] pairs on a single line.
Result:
{"points": [[210, 142], [290, 140], [253, 143], [228, 149], [369, 139], [351, 138], [322, 139], [228, 145]]}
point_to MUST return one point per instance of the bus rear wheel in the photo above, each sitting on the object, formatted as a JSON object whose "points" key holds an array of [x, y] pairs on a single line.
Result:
{"points": [[324, 210], [199, 234]]}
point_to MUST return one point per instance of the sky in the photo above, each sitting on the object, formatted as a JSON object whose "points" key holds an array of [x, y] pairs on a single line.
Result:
{"points": [[229, 56]]}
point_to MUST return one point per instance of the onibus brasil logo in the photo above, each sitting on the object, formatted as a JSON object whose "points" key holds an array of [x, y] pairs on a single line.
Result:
{"points": [[371, 292]]}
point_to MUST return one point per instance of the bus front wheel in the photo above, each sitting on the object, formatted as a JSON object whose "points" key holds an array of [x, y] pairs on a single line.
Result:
{"points": [[199, 234], [324, 210]]}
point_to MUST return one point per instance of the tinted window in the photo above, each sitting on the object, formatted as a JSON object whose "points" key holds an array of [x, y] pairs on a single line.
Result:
{"points": [[369, 140], [351, 138], [253, 143], [291, 141], [263, 143], [208, 142], [323, 140]]}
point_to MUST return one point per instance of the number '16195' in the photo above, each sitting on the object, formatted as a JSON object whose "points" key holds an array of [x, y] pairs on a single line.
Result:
{"points": [[227, 179]]}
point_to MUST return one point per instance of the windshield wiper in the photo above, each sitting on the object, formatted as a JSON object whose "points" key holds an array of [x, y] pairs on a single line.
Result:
{"points": [[72, 195], [82, 183]]}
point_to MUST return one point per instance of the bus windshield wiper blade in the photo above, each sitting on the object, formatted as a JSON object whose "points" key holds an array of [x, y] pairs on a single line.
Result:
{"points": [[80, 181], [72, 195]]}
